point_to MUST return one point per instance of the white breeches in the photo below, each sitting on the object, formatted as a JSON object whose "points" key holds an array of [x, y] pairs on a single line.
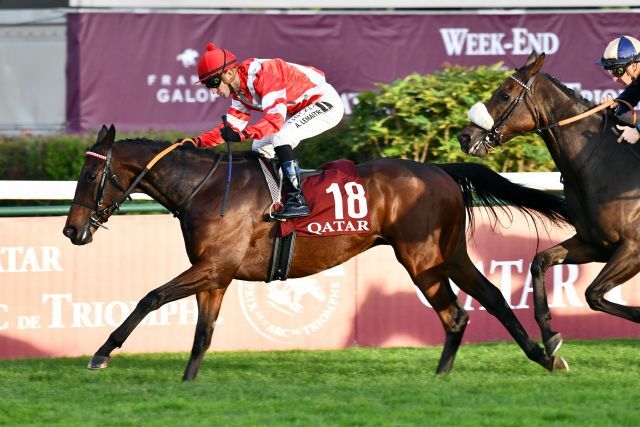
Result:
{"points": [[318, 117]]}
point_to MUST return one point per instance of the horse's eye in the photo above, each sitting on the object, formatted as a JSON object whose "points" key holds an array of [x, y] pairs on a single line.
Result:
{"points": [[91, 176], [504, 97]]}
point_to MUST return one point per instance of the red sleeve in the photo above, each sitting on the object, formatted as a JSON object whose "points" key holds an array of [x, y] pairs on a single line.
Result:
{"points": [[237, 117], [211, 138], [274, 104]]}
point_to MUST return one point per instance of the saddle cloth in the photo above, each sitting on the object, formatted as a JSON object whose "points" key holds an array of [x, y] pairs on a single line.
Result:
{"points": [[337, 201]]}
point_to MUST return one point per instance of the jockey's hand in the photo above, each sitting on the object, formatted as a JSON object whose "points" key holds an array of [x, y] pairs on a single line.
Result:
{"points": [[628, 134], [228, 134], [194, 141]]}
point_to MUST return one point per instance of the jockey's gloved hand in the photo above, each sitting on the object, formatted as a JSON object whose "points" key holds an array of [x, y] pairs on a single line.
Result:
{"points": [[194, 141], [228, 134], [628, 134]]}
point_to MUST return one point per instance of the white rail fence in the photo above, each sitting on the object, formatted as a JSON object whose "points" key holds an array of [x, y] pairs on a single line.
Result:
{"points": [[64, 190]]}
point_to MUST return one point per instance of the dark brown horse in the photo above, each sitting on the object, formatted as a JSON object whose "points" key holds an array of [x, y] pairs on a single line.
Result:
{"points": [[600, 182], [417, 208]]}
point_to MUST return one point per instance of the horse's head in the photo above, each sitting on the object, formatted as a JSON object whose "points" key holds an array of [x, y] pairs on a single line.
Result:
{"points": [[96, 193], [506, 115]]}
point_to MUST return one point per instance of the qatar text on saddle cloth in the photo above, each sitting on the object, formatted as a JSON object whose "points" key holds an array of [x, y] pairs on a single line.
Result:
{"points": [[337, 201]]}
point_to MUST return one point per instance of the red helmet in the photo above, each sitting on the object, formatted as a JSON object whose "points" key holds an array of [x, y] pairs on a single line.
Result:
{"points": [[214, 61]]}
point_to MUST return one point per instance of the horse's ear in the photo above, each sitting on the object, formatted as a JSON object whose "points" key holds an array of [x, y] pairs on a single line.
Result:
{"points": [[111, 135], [531, 59], [106, 136], [538, 64], [102, 134], [534, 63]]}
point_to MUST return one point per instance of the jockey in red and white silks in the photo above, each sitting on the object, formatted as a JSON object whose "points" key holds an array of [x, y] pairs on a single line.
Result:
{"points": [[296, 100]]}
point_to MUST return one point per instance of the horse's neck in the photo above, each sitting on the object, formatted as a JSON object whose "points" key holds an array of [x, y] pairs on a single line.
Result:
{"points": [[167, 182], [574, 146]]}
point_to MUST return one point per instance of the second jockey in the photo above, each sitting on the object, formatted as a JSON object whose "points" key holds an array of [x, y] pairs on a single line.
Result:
{"points": [[296, 101]]}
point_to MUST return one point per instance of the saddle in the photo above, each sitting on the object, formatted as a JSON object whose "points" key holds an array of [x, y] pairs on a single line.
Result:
{"points": [[338, 203]]}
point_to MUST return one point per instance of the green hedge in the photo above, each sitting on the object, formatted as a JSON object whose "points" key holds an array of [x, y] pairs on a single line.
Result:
{"points": [[417, 117]]}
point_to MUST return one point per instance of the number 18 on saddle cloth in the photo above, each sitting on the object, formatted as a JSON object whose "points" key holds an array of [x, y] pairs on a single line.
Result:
{"points": [[337, 201]]}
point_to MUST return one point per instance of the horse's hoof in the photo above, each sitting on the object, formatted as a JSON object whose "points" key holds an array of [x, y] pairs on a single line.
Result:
{"points": [[552, 345], [99, 362], [559, 364]]}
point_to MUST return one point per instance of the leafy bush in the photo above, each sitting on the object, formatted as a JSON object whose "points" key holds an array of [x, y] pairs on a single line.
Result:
{"points": [[418, 117]]}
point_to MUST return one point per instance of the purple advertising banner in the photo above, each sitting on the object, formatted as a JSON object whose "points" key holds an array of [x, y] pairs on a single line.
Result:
{"points": [[137, 71]]}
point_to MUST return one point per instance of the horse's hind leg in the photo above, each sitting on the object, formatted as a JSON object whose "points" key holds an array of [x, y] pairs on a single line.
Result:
{"points": [[471, 281], [209, 303], [453, 317], [434, 285]]}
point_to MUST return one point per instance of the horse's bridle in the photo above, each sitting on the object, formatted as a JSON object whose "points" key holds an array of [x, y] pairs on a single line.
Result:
{"points": [[494, 138], [99, 216]]}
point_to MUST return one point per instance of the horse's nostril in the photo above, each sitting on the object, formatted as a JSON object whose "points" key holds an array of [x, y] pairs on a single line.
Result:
{"points": [[464, 138], [69, 231]]}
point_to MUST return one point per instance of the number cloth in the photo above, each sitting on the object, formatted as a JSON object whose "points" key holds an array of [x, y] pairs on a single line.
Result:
{"points": [[337, 201]]}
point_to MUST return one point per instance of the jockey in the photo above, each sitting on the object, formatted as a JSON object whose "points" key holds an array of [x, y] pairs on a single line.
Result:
{"points": [[621, 59], [297, 103]]}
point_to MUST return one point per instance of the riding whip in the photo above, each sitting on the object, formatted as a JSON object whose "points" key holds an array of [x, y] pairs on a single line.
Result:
{"points": [[230, 158]]}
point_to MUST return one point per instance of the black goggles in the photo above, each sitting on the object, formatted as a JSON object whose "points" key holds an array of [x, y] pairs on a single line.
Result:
{"points": [[213, 82], [618, 71]]}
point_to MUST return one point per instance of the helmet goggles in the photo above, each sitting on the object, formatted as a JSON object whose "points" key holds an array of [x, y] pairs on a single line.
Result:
{"points": [[213, 82], [618, 70]]}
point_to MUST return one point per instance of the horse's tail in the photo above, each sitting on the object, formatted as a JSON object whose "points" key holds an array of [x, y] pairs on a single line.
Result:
{"points": [[482, 186]]}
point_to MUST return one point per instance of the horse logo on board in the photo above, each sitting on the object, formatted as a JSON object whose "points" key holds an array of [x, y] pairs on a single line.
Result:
{"points": [[290, 311], [188, 57]]}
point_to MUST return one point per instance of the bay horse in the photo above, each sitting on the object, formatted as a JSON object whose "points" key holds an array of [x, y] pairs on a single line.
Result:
{"points": [[419, 209], [600, 182]]}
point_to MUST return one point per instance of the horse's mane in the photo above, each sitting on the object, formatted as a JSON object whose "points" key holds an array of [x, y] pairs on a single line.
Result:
{"points": [[571, 93]]}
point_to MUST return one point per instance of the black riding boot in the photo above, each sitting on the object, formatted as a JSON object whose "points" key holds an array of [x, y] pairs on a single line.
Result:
{"points": [[295, 206]]}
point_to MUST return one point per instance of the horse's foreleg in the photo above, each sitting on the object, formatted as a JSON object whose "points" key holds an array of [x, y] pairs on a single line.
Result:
{"points": [[471, 281], [622, 266], [209, 303], [571, 251], [198, 278]]}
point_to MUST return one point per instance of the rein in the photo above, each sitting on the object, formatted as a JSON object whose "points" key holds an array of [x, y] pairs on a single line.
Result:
{"points": [[100, 216], [583, 115]]}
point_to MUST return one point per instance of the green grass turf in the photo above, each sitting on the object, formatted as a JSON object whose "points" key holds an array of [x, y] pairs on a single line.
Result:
{"points": [[491, 385]]}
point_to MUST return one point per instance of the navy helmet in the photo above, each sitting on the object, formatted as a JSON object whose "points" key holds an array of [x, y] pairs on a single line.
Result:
{"points": [[621, 51]]}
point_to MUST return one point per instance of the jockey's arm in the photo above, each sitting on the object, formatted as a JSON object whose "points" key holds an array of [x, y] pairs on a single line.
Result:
{"points": [[237, 117], [274, 105], [631, 94]]}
